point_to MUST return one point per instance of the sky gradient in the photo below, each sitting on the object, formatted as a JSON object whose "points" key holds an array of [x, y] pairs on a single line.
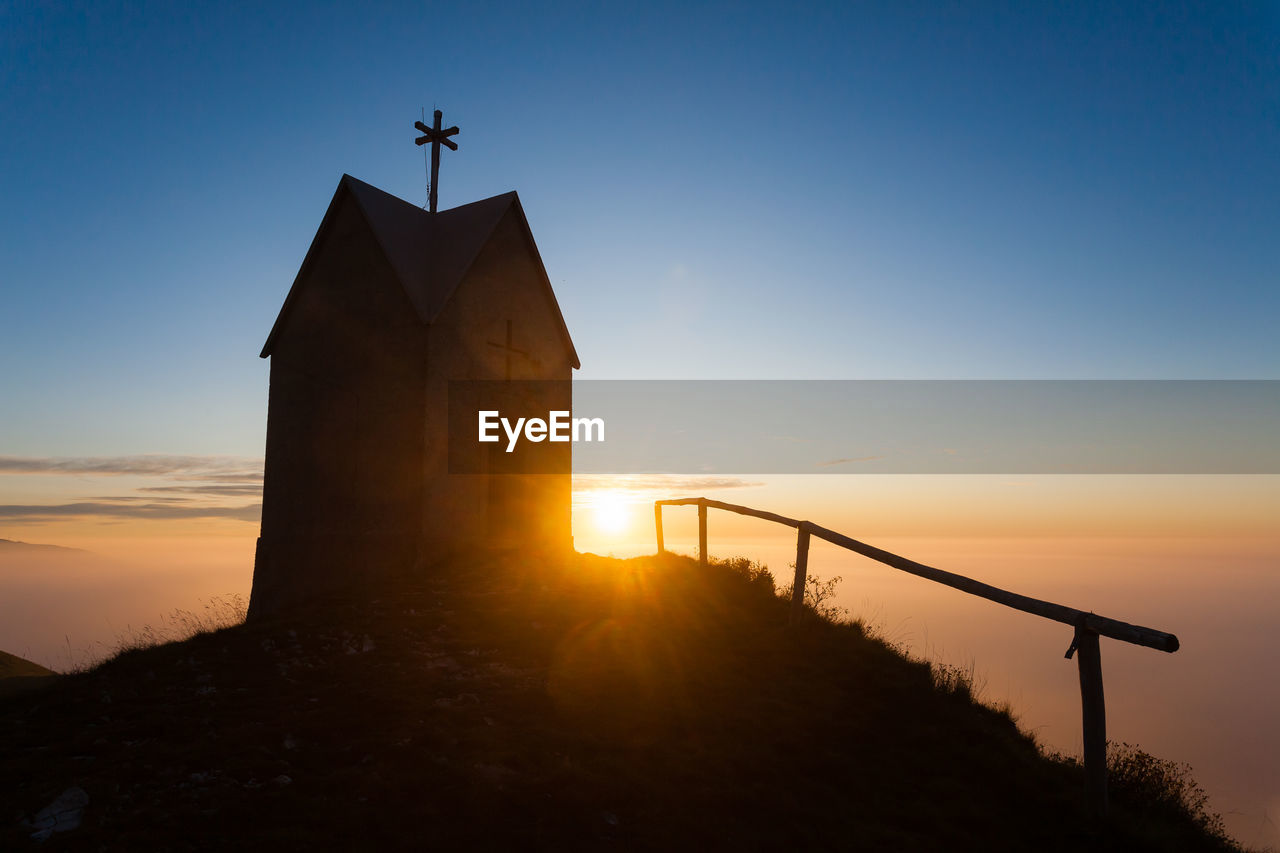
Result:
{"points": [[892, 191], [886, 190]]}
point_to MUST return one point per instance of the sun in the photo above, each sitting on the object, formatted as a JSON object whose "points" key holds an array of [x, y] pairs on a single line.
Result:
{"points": [[609, 512]]}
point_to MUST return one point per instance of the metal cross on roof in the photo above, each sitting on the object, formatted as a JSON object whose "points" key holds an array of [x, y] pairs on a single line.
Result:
{"points": [[436, 137]]}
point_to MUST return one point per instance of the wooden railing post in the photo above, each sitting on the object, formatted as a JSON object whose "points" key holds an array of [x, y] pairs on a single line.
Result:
{"points": [[702, 533], [1093, 712], [802, 571], [657, 525]]}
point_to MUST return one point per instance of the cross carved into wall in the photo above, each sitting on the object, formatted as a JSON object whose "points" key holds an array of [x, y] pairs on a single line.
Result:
{"points": [[509, 350]]}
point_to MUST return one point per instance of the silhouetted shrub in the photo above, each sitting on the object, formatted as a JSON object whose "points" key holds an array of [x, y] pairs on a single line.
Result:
{"points": [[819, 597], [757, 574], [1153, 784]]}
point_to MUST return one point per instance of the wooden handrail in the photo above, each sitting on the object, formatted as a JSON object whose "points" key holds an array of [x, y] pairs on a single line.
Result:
{"points": [[1088, 626], [1106, 627]]}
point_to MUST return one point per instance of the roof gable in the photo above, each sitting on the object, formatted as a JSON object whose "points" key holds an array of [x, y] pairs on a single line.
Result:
{"points": [[429, 253]]}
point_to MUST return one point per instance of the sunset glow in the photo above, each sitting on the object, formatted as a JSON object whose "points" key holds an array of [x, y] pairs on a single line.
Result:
{"points": [[610, 512], [990, 288]]}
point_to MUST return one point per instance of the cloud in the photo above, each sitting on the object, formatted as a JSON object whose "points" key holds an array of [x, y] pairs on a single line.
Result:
{"points": [[212, 490], [193, 477], [847, 459], [127, 510], [133, 499], [190, 487], [234, 477], [212, 468], [658, 483]]}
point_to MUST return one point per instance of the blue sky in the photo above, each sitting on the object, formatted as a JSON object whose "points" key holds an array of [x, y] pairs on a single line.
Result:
{"points": [[738, 191]]}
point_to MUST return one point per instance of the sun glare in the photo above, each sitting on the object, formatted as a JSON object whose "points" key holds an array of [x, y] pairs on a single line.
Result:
{"points": [[609, 512]]}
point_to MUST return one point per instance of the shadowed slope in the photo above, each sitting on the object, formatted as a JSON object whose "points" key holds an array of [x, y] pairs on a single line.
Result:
{"points": [[19, 674], [12, 666]]}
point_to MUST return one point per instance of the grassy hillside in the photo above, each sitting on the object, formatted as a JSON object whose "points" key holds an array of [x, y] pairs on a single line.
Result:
{"points": [[18, 675], [594, 703], [12, 666]]}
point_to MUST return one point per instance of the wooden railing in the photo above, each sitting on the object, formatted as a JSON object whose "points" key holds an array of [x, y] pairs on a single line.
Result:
{"points": [[1084, 643]]}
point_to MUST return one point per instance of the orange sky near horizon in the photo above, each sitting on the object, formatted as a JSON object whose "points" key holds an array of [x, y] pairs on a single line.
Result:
{"points": [[860, 505], [1196, 555]]}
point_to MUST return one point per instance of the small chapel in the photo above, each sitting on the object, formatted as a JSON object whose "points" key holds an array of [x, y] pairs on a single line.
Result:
{"points": [[392, 305]]}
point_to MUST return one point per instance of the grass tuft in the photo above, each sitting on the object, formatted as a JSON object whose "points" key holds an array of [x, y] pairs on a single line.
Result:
{"points": [[215, 614]]}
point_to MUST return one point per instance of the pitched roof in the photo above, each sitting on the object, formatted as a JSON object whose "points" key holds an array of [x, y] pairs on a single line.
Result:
{"points": [[429, 253]]}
